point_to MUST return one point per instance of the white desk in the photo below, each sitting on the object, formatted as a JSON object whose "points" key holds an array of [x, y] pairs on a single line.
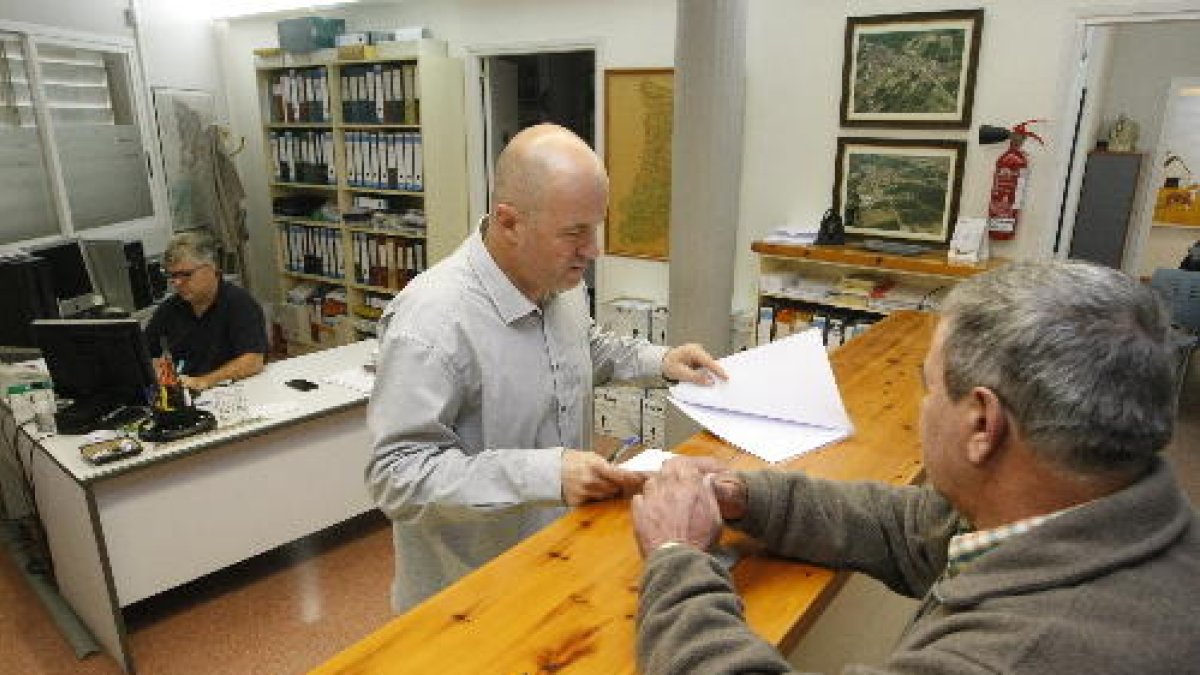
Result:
{"points": [[122, 532]]}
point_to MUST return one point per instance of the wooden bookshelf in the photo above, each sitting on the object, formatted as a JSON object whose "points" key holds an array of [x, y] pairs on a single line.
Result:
{"points": [[932, 262], [430, 110]]}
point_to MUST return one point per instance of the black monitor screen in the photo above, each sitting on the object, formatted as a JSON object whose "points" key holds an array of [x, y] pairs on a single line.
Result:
{"points": [[72, 284], [99, 364]]}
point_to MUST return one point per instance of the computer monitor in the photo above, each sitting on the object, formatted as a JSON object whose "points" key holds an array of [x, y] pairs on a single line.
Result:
{"points": [[73, 285], [99, 365]]}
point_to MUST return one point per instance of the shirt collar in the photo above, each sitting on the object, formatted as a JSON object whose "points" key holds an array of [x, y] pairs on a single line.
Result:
{"points": [[510, 302], [967, 546]]}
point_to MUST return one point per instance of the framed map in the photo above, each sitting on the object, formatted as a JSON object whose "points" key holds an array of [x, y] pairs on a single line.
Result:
{"points": [[182, 116], [897, 188], [638, 109], [911, 70]]}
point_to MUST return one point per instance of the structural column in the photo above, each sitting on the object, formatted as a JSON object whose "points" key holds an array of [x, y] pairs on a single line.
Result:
{"points": [[706, 166]]}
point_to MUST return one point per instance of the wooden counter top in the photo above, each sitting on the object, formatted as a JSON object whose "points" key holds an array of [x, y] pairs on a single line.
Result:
{"points": [[565, 599]]}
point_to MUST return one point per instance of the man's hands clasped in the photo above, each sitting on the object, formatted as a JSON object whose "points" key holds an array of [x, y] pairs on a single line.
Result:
{"points": [[687, 503]]}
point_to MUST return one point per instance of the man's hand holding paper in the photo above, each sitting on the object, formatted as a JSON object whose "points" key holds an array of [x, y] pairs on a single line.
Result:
{"points": [[778, 401]]}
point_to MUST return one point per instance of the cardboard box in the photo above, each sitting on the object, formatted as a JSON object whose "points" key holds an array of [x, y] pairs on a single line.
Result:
{"points": [[626, 317], [309, 33], [348, 39], [659, 316], [654, 419], [363, 52], [618, 411]]}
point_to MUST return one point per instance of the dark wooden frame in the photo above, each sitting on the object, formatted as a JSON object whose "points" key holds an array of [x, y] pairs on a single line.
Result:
{"points": [[956, 149], [969, 21]]}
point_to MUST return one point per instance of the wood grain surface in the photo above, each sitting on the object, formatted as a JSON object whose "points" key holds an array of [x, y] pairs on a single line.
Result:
{"points": [[565, 600], [932, 262]]}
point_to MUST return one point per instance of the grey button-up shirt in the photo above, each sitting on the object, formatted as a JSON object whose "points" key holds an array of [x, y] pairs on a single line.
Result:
{"points": [[477, 392]]}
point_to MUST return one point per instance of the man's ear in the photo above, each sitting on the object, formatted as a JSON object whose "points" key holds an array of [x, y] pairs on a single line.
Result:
{"points": [[989, 425], [504, 219]]}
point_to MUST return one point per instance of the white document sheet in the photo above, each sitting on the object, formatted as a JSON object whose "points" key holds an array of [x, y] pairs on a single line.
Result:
{"points": [[357, 379], [780, 401], [649, 460]]}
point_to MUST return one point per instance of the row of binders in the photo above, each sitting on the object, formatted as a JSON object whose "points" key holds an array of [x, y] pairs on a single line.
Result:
{"points": [[387, 262], [303, 157], [312, 250], [381, 93], [300, 95], [390, 160]]}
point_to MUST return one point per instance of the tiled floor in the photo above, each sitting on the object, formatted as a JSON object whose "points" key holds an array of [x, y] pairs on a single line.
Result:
{"points": [[291, 609], [283, 612]]}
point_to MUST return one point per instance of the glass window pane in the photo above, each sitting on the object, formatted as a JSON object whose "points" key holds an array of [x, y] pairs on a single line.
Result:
{"points": [[25, 197], [96, 130]]}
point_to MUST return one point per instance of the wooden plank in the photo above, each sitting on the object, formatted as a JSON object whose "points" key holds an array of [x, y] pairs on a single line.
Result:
{"points": [[931, 262], [566, 598]]}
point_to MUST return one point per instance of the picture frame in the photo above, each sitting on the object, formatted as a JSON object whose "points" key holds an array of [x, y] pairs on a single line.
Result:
{"points": [[899, 188], [638, 119], [180, 116], [913, 70]]}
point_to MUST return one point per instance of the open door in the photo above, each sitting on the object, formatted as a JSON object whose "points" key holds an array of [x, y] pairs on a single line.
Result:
{"points": [[500, 119], [1169, 220]]}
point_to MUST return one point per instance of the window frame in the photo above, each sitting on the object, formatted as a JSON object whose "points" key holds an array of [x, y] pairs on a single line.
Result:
{"points": [[152, 226]]}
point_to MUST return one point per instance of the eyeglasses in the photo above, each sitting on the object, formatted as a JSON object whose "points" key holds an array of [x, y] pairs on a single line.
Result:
{"points": [[184, 275]]}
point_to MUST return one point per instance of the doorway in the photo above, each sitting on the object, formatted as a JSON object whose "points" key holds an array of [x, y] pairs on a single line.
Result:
{"points": [[521, 90], [1119, 77]]}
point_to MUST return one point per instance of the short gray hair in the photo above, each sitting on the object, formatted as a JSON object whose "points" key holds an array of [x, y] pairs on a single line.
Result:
{"points": [[1077, 353], [195, 245]]}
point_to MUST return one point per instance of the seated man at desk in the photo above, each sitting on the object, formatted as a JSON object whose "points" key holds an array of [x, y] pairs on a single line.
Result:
{"points": [[1050, 538], [214, 330], [485, 374]]}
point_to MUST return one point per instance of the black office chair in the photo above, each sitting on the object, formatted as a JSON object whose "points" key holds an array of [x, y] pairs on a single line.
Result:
{"points": [[1180, 291]]}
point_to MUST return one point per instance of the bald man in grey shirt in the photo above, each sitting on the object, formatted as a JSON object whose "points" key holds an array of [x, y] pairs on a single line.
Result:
{"points": [[487, 361]]}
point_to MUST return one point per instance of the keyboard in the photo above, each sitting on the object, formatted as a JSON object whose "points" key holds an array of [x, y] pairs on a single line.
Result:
{"points": [[893, 247], [101, 312]]}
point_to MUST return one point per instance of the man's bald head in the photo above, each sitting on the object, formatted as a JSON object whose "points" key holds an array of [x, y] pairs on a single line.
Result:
{"points": [[548, 206], [541, 159]]}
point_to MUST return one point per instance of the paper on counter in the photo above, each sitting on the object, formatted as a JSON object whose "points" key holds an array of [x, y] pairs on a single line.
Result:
{"points": [[781, 399], [274, 410], [649, 460], [357, 379]]}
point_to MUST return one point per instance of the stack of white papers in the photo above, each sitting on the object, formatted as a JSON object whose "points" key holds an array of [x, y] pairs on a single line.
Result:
{"points": [[357, 379], [791, 235], [780, 399]]}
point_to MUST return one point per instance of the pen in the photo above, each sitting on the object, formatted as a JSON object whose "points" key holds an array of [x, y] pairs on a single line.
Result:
{"points": [[626, 446]]}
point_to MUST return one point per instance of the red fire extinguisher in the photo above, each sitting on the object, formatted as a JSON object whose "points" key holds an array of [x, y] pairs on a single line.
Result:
{"points": [[1009, 183]]}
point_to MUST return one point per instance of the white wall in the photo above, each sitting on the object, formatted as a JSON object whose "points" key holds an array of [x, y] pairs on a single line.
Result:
{"points": [[90, 16], [629, 33], [795, 61]]}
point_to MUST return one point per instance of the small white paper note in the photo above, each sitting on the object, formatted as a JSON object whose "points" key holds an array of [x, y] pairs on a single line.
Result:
{"points": [[649, 460]]}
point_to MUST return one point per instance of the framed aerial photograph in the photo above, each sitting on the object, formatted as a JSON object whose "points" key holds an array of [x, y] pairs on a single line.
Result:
{"points": [[898, 188], [638, 119], [911, 70]]}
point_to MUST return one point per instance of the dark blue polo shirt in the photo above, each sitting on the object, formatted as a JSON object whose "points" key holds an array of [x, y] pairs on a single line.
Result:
{"points": [[232, 326]]}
